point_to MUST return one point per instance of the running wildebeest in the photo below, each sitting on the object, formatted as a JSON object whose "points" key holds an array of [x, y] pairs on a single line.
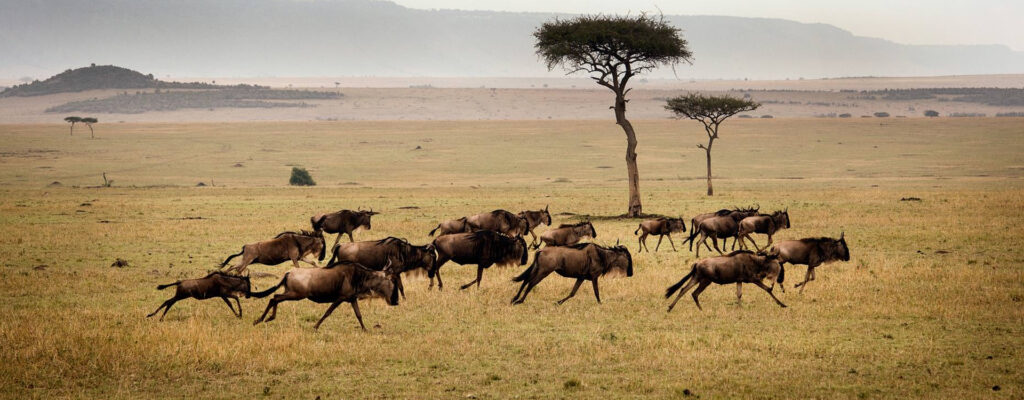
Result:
{"points": [[499, 221], [342, 222], [812, 252], [723, 227], [294, 246], [661, 227], [568, 234], [216, 284], [336, 283], [584, 261], [483, 248], [741, 266], [451, 226], [763, 223], [696, 220], [535, 219], [375, 254]]}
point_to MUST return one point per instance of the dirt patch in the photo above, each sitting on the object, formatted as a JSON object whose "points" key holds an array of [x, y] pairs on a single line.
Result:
{"points": [[120, 263]]}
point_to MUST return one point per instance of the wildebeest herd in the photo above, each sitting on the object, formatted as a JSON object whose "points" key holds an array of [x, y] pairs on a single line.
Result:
{"points": [[374, 268]]}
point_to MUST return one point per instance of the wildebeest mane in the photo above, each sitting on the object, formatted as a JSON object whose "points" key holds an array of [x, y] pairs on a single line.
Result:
{"points": [[579, 246], [739, 252], [578, 224]]}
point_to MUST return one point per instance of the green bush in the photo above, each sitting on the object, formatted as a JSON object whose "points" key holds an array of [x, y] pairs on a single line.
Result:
{"points": [[300, 177]]}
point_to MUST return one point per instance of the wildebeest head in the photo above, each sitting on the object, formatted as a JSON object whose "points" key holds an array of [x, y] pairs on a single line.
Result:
{"points": [[363, 219], [323, 245], [622, 259], [781, 218], [547, 216], [421, 257], [317, 221], [593, 232], [238, 284], [385, 283], [521, 250], [843, 251], [771, 267], [676, 225]]}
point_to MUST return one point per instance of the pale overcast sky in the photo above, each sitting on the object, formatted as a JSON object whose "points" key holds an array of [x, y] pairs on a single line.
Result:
{"points": [[901, 21]]}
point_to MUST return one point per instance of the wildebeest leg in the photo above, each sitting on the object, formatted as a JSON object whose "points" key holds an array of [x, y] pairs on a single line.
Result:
{"points": [[336, 240], [359, 316], [479, 276], [533, 241], [670, 241], [660, 238], [239, 306], [326, 314], [683, 291], [762, 286], [579, 281], [351, 240], [401, 287], [714, 240], [306, 260], [700, 288], [533, 283], [228, 302], [167, 304], [271, 304], [807, 278], [642, 240], [739, 293], [704, 241], [597, 294]]}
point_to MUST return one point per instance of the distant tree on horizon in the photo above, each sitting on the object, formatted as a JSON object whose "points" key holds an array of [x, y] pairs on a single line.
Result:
{"points": [[613, 49], [88, 121], [931, 113], [710, 111], [73, 120]]}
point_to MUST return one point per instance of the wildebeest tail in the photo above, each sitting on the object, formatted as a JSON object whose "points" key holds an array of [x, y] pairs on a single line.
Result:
{"points": [[162, 287], [782, 274], [638, 229], [434, 230], [268, 292], [529, 271], [334, 254], [232, 256], [673, 288]]}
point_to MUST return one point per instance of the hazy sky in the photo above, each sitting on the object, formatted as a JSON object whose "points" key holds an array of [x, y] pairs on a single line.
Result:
{"points": [[902, 21]]}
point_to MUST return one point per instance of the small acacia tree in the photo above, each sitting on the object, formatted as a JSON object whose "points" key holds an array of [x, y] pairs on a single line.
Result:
{"points": [[88, 121], [613, 49], [73, 120], [709, 111]]}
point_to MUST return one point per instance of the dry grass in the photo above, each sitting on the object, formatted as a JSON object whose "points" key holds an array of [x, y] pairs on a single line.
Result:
{"points": [[898, 320]]}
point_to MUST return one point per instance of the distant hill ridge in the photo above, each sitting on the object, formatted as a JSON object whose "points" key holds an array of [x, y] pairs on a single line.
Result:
{"points": [[98, 77]]}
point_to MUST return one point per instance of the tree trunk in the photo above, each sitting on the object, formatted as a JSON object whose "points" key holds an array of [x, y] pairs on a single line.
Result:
{"points": [[91, 134], [711, 191], [72, 129], [632, 173]]}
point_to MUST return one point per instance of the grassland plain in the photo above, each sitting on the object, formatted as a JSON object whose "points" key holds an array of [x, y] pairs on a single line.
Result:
{"points": [[930, 304]]}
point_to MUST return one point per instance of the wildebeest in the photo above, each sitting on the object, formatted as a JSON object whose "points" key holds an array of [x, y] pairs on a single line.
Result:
{"points": [[584, 261], [375, 254], [342, 222], [568, 234], [763, 223], [216, 284], [483, 248], [294, 246], [336, 283], [721, 227], [535, 219], [696, 220], [811, 252], [741, 266], [499, 221], [661, 227], [451, 226]]}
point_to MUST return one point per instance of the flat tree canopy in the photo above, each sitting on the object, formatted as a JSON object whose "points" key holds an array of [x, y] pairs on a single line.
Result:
{"points": [[612, 48]]}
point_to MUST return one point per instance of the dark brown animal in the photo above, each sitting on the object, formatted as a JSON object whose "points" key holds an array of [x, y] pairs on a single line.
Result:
{"points": [[585, 262], [216, 284], [376, 254], [451, 226], [535, 219], [812, 252], [294, 246], [763, 223], [483, 248], [498, 221], [342, 222], [337, 283], [661, 227], [740, 266], [696, 220], [568, 234]]}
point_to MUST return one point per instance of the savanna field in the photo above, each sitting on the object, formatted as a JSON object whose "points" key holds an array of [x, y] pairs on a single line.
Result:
{"points": [[931, 303]]}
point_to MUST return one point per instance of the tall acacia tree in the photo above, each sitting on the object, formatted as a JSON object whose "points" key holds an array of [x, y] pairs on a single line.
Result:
{"points": [[709, 111], [88, 121], [73, 120], [613, 49]]}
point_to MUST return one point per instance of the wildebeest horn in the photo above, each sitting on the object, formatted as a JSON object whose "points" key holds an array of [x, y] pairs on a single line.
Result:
{"points": [[546, 207], [842, 235], [616, 241]]}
